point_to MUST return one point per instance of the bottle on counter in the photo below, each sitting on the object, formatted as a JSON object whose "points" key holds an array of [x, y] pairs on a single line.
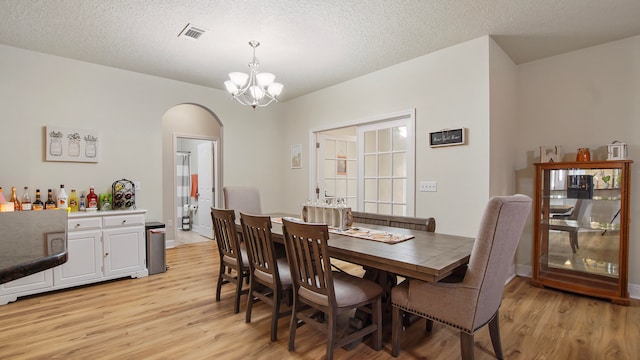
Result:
{"points": [[49, 204], [92, 199], [82, 204], [106, 205], [14, 199], [37, 203], [2, 199], [62, 198], [74, 202], [26, 200]]}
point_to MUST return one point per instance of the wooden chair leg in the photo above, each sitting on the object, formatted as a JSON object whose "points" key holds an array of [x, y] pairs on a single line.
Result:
{"points": [[219, 286], [494, 332], [331, 336], [293, 325], [275, 315], [236, 306], [466, 345], [249, 303], [396, 329]]}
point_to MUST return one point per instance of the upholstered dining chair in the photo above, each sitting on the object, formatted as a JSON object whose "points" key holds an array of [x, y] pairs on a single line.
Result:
{"points": [[473, 302], [244, 199], [318, 287], [234, 262], [270, 278]]}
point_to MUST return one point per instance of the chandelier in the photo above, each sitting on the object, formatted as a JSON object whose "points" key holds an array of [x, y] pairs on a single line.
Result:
{"points": [[256, 88]]}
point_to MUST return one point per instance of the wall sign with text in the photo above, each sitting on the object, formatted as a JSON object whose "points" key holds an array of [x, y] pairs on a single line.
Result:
{"points": [[448, 137]]}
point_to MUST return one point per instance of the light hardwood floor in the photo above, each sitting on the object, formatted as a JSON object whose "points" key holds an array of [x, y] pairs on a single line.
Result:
{"points": [[174, 315]]}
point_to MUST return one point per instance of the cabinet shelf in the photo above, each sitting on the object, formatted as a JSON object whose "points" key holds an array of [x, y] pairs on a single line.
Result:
{"points": [[581, 230]]}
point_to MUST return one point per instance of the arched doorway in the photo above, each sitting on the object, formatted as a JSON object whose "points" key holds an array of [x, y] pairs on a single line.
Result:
{"points": [[187, 123]]}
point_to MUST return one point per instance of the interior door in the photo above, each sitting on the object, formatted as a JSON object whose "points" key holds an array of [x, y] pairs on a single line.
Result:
{"points": [[205, 189]]}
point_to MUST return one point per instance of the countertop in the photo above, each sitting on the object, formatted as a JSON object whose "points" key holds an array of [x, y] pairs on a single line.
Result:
{"points": [[30, 242]]}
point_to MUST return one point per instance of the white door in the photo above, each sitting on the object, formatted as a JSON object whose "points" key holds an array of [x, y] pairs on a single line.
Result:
{"points": [[205, 188], [386, 167]]}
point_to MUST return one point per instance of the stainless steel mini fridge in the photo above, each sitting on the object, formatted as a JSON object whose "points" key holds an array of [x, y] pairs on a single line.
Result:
{"points": [[156, 256]]}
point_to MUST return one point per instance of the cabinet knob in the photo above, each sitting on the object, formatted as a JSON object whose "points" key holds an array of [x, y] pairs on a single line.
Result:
{"points": [[106, 254], [77, 225], [124, 221]]}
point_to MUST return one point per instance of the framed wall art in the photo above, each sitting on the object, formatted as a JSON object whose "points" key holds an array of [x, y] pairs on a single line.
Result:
{"points": [[72, 144], [296, 156], [448, 137]]}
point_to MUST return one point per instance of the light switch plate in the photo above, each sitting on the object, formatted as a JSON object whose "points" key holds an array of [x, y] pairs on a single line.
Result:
{"points": [[137, 185], [428, 186]]}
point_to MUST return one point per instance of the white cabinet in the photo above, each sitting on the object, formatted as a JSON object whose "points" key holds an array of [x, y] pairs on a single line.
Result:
{"points": [[101, 246], [124, 245], [85, 258]]}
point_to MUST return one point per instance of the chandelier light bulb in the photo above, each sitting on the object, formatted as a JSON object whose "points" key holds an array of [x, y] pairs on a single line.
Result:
{"points": [[256, 88]]}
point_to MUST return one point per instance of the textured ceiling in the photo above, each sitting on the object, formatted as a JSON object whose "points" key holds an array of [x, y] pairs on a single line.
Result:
{"points": [[308, 44]]}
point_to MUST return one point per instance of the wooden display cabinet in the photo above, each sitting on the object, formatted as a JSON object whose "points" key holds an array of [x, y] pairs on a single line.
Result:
{"points": [[581, 228]]}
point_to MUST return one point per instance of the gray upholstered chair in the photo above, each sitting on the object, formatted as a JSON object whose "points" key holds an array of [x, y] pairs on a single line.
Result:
{"points": [[473, 302], [234, 262], [244, 199], [270, 278], [317, 288]]}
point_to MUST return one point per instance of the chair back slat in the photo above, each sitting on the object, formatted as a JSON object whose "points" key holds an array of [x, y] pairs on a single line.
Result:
{"points": [[306, 246]]}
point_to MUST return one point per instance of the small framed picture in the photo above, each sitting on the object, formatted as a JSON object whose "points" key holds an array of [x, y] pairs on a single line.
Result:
{"points": [[296, 156]]}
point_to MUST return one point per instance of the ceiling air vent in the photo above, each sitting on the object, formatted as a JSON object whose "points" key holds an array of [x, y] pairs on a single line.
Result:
{"points": [[192, 32]]}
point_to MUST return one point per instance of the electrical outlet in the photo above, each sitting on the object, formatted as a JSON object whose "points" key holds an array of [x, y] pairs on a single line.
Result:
{"points": [[428, 186]]}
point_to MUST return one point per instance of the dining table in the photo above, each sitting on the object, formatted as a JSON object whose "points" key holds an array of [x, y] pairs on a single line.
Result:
{"points": [[427, 256]]}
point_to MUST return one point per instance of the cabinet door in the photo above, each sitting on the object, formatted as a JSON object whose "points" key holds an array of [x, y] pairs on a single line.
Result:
{"points": [[124, 250], [85, 259]]}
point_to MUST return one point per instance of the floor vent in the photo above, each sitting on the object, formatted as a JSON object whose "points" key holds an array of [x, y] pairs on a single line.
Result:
{"points": [[192, 32]]}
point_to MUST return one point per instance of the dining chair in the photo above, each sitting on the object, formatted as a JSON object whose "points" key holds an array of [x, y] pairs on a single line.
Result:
{"points": [[244, 199], [473, 302], [332, 293], [234, 262], [270, 278]]}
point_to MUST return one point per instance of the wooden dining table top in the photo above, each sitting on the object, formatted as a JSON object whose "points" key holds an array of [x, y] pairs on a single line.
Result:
{"points": [[427, 256]]}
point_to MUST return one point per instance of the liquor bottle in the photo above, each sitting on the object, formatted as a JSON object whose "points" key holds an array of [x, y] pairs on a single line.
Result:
{"points": [[62, 199], [50, 204], [82, 205], [14, 199], [37, 204], [74, 203], [26, 200], [2, 199], [92, 199]]}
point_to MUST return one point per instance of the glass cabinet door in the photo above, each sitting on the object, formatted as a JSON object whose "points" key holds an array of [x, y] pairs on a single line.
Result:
{"points": [[580, 225], [581, 228]]}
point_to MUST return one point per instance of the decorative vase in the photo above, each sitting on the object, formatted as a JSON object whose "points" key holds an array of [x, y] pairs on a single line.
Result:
{"points": [[584, 155]]}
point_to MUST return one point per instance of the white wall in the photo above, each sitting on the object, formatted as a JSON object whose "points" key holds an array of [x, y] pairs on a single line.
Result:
{"points": [[586, 98], [448, 89], [42, 90]]}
